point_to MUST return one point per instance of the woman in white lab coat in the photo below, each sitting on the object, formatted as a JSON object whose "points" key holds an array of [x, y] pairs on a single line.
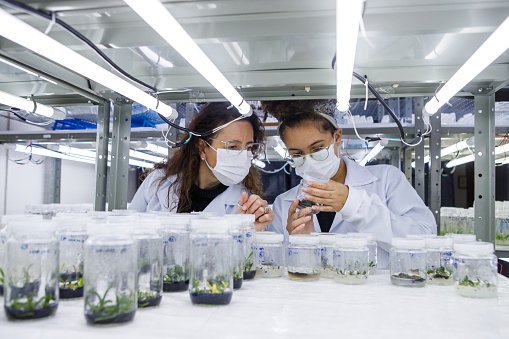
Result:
{"points": [[211, 173], [374, 199]]}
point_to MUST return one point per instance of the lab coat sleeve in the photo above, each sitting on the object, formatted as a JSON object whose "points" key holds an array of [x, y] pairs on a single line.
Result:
{"points": [[402, 213], [277, 224], [145, 192]]}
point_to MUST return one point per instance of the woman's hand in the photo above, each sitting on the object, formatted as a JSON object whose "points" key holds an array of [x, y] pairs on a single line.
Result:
{"points": [[332, 195], [257, 206], [301, 221]]}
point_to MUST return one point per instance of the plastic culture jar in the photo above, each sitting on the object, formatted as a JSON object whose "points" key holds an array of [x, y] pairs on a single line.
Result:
{"points": [[408, 262], [175, 230], [439, 262], [71, 233], [301, 195], [110, 273], [150, 262], [270, 255], [304, 258], [372, 247], [327, 241], [475, 267], [31, 270], [211, 271], [461, 238], [351, 260], [249, 231], [238, 248]]}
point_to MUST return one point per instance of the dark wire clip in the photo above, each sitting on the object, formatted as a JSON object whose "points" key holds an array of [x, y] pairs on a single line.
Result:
{"points": [[34, 102]]}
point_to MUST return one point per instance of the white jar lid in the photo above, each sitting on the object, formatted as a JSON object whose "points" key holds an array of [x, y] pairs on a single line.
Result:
{"points": [[315, 176], [268, 238], [204, 215], [327, 238], [350, 242], [304, 239], [410, 244], [234, 220], [421, 236], [216, 225], [6, 219], [174, 219], [32, 227], [247, 219], [74, 224], [369, 236], [462, 238], [438, 242], [474, 248], [117, 229]]}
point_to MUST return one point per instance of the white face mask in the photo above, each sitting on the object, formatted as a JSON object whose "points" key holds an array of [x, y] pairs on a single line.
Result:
{"points": [[328, 167], [230, 169]]}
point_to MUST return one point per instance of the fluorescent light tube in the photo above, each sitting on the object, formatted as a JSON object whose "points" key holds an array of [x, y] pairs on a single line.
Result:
{"points": [[143, 145], [452, 149], [28, 105], [490, 50], [463, 160], [145, 156], [280, 150], [160, 19], [258, 163], [27, 36], [374, 152], [348, 18]]}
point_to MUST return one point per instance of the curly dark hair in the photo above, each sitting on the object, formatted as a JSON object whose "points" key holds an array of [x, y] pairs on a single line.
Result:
{"points": [[185, 161], [293, 113]]}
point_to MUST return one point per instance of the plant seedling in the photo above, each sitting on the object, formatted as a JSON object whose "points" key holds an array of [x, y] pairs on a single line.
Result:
{"points": [[248, 263], [107, 309], [467, 282], [175, 274]]}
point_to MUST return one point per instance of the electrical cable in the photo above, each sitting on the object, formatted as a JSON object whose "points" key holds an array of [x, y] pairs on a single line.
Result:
{"points": [[274, 171], [26, 120]]}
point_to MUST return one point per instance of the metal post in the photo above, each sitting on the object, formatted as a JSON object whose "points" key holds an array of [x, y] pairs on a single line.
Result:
{"points": [[435, 167], [53, 177], [101, 158], [419, 149], [408, 164], [120, 143], [484, 168]]}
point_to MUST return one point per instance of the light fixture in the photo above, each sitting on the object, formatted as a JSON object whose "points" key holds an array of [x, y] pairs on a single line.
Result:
{"points": [[155, 58], [29, 37], [30, 106], [143, 145], [258, 163], [496, 44], [374, 152], [145, 156], [280, 150], [348, 18], [160, 19], [470, 142], [469, 158]]}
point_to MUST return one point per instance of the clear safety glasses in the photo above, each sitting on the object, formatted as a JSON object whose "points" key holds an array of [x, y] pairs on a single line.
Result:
{"points": [[233, 147], [298, 159]]}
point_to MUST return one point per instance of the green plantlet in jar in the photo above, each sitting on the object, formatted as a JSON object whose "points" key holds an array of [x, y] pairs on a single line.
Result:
{"points": [[107, 309], [372, 264], [175, 274], [1, 276], [440, 273], [467, 282], [248, 264]]}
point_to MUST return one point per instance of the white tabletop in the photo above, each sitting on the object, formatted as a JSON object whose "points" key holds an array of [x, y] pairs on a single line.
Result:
{"points": [[269, 308]]}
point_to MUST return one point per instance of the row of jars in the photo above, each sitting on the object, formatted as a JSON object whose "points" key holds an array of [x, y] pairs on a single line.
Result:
{"points": [[121, 263]]}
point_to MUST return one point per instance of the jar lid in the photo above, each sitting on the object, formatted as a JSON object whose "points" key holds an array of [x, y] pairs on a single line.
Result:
{"points": [[99, 214], [147, 226], [234, 220], [438, 242], [474, 248], [421, 236], [214, 225], [369, 236], [269, 238], [351, 242], [31, 227], [122, 219], [408, 243], [247, 219], [121, 230], [327, 238], [204, 215], [304, 239], [315, 176], [462, 238], [6, 219], [72, 224], [176, 220]]}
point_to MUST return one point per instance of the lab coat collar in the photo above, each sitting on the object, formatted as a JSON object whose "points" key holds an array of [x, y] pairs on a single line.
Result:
{"points": [[357, 175]]}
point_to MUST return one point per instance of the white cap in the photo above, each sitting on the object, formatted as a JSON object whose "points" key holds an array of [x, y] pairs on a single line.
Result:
{"points": [[304, 239], [234, 220], [315, 176], [351, 242], [461, 238], [122, 219], [438, 242], [204, 215], [32, 227], [103, 215], [121, 230], [327, 238], [247, 219], [72, 224], [369, 236], [269, 238], [175, 220], [147, 226], [408, 243], [215, 225], [6, 219], [421, 236], [474, 248]]}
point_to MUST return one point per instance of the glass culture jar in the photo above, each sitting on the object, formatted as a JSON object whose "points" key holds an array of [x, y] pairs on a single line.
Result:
{"points": [[301, 195], [175, 230], [249, 231], [150, 262], [211, 271], [110, 273], [439, 263], [408, 262], [351, 260], [304, 258], [71, 233], [31, 270], [327, 241], [461, 238], [238, 248], [372, 247], [270, 254], [475, 267]]}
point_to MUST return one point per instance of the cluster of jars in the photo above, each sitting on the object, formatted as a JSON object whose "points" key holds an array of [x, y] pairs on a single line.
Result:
{"points": [[118, 261], [454, 259]]}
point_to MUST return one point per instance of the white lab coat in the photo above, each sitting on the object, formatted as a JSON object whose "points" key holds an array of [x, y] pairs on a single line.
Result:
{"points": [[380, 201], [150, 197]]}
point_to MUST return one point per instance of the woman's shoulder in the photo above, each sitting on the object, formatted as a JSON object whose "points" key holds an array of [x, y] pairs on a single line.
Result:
{"points": [[287, 196], [156, 176]]}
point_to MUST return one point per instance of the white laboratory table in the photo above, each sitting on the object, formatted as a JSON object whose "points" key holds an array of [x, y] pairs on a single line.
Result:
{"points": [[272, 308]]}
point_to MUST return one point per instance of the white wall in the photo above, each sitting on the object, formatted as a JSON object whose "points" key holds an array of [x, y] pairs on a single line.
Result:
{"points": [[78, 183]]}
